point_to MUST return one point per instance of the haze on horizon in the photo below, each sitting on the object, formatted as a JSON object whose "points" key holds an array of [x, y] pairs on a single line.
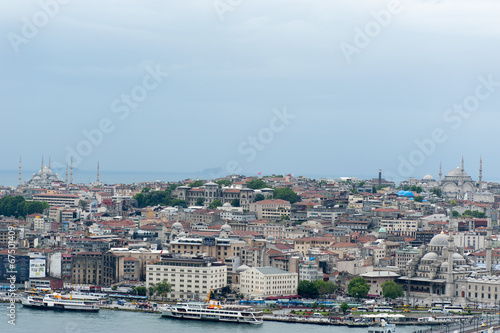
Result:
{"points": [[259, 86]]}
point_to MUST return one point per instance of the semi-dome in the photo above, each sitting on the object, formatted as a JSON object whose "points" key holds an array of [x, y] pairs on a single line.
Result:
{"points": [[430, 256], [439, 240]]}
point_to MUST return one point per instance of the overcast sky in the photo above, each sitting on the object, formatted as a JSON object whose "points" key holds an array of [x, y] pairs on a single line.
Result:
{"points": [[356, 92]]}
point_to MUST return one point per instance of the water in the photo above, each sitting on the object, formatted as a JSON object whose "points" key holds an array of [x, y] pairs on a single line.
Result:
{"points": [[43, 321]]}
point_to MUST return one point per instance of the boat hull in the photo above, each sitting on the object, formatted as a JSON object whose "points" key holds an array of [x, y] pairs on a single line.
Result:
{"points": [[60, 307], [214, 318]]}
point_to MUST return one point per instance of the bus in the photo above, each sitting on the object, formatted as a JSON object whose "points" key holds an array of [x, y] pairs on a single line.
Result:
{"points": [[453, 308], [440, 304], [383, 309]]}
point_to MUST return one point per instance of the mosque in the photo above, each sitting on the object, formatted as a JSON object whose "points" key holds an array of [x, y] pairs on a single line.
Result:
{"points": [[45, 178], [455, 184], [440, 265]]}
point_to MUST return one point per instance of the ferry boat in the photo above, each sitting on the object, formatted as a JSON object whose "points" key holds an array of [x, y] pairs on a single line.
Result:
{"points": [[382, 327], [212, 311], [55, 301]]}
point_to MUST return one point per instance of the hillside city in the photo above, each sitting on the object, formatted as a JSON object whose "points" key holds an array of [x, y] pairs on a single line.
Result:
{"points": [[264, 237]]}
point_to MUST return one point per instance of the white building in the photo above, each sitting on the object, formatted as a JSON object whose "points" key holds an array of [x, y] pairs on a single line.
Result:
{"points": [[190, 277], [309, 271], [259, 282]]}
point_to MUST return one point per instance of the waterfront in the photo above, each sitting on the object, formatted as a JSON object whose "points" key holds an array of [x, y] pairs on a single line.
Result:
{"points": [[40, 321]]}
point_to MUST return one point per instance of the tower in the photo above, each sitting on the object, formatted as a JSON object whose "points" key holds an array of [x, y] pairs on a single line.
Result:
{"points": [[489, 229], [42, 164], [480, 172], [71, 172], [20, 171], [49, 162], [440, 173], [449, 276], [66, 180], [462, 169], [380, 176], [98, 173]]}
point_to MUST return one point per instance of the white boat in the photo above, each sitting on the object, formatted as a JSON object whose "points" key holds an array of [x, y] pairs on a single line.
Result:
{"points": [[212, 311], [57, 301], [382, 327]]}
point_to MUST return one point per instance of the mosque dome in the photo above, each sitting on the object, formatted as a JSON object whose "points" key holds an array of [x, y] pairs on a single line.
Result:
{"points": [[457, 256], [382, 230], [457, 173], [177, 226], [428, 177], [227, 205], [226, 227], [430, 256], [439, 240]]}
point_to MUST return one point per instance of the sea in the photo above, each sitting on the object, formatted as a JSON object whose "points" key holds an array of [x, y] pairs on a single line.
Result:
{"points": [[44, 321]]}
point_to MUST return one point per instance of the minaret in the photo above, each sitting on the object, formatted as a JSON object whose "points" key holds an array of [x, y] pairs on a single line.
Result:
{"points": [[66, 172], [49, 162], [42, 163], [380, 176], [489, 229], [451, 249], [97, 173], [462, 164], [20, 171], [440, 173], [480, 172], [71, 172]]}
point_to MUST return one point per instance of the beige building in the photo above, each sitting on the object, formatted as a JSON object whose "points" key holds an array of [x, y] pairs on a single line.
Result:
{"points": [[303, 245], [190, 277], [59, 200], [220, 248], [259, 282], [376, 279], [271, 209], [406, 228]]}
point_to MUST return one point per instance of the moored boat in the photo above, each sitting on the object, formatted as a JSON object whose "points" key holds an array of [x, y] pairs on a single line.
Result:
{"points": [[55, 301]]}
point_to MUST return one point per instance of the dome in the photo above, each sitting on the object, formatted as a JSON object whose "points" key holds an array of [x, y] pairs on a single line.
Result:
{"points": [[401, 192], [444, 264], [408, 194], [456, 173], [227, 205], [177, 226], [382, 230], [226, 227], [439, 240], [428, 177], [457, 256], [430, 256], [211, 184], [242, 268]]}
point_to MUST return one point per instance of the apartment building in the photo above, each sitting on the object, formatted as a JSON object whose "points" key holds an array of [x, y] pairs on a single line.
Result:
{"points": [[258, 282]]}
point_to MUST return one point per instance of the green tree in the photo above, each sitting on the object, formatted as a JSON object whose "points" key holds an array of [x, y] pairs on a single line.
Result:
{"points": [[140, 290], [358, 287], [235, 202], [437, 191], [114, 287], [216, 203], [197, 183], [344, 307], [146, 190], [286, 193], [162, 288], [392, 290], [141, 200], [307, 289], [224, 182], [255, 184], [259, 197], [456, 214], [324, 287], [200, 201], [419, 198]]}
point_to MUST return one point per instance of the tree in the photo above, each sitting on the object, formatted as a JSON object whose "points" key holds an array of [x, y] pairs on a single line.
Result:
{"points": [[162, 288], [224, 182], [255, 184], [216, 203], [140, 290], [307, 289], [197, 183], [114, 287], [146, 190], [419, 198], [344, 306], [437, 191], [286, 193], [200, 201], [259, 197], [456, 214], [17, 206], [235, 202], [325, 288], [83, 204], [358, 287], [392, 290]]}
